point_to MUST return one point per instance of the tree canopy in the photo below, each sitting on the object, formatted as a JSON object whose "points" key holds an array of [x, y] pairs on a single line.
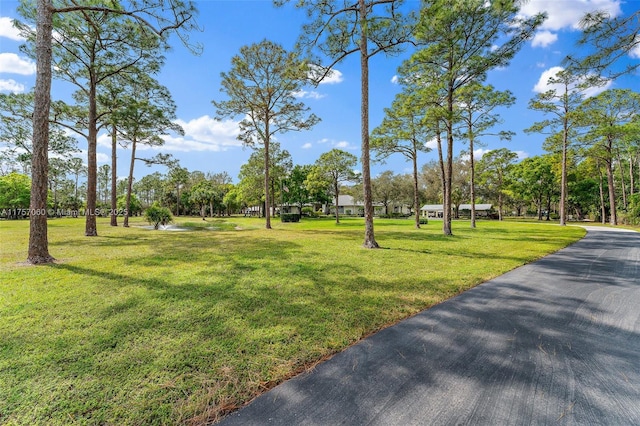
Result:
{"points": [[460, 42], [151, 16], [334, 167], [366, 27], [261, 87]]}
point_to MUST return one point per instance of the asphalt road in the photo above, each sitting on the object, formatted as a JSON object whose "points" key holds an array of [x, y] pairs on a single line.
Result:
{"points": [[553, 342]]}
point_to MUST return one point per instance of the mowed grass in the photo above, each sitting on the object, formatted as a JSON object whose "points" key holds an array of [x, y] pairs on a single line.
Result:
{"points": [[143, 327]]}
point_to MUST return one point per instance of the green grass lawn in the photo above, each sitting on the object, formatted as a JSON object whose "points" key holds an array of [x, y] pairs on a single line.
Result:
{"points": [[144, 327]]}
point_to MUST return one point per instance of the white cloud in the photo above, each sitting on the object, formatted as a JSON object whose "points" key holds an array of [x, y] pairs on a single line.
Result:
{"points": [[211, 130], [494, 47], [201, 134], [333, 77], [635, 52], [394, 79], [307, 145], [544, 39], [540, 64], [479, 153], [596, 90], [543, 84], [432, 144], [101, 158], [338, 144], [564, 14], [11, 86], [568, 13], [8, 30], [308, 95], [204, 134], [182, 144], [103, 139], [12, 63]]}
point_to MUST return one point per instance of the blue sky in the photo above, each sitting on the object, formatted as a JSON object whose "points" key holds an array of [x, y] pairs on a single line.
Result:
{"points": [[194, 81]]}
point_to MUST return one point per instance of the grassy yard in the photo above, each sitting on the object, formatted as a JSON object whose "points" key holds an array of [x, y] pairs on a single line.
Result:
{"points": [[148, 327]]}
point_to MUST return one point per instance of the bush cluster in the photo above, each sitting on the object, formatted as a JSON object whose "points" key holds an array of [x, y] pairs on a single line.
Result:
{"points": [[632, 215], [309, 212], [290, 217], [394, 216], [157, 215]]}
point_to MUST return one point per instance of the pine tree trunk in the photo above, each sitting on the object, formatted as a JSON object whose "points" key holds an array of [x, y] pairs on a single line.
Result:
{"points": [[539, 208], [472, 183], [177, 198], [603, 211], [622, 182], [369, 238], [441, 162], [114, 179], [267, 205], [632, 182], [613, 217], [91, 229], [38, 251], [416, 198], [127, 205], [446, 213], [336, 191], [563, 178]]}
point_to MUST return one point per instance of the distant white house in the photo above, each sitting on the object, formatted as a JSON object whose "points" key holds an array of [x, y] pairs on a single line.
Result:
{"points": [[255, 211], [436, 210], [401, 209], [291, 208], [347, 205]]}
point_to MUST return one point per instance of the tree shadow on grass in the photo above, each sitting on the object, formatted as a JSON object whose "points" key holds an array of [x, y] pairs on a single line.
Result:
{"points": [[226, 327]]}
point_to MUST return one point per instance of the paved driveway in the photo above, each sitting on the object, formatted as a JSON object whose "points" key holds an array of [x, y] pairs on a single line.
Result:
{"points": [[553, 342]]}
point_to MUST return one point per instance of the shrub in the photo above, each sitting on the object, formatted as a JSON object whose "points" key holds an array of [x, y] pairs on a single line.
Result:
{"points": [[15, 195], [290, 217], [103, 209], [394, 215], [424, 221], [632, 216], [157, 215], [135, 208], [308, 211]]}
